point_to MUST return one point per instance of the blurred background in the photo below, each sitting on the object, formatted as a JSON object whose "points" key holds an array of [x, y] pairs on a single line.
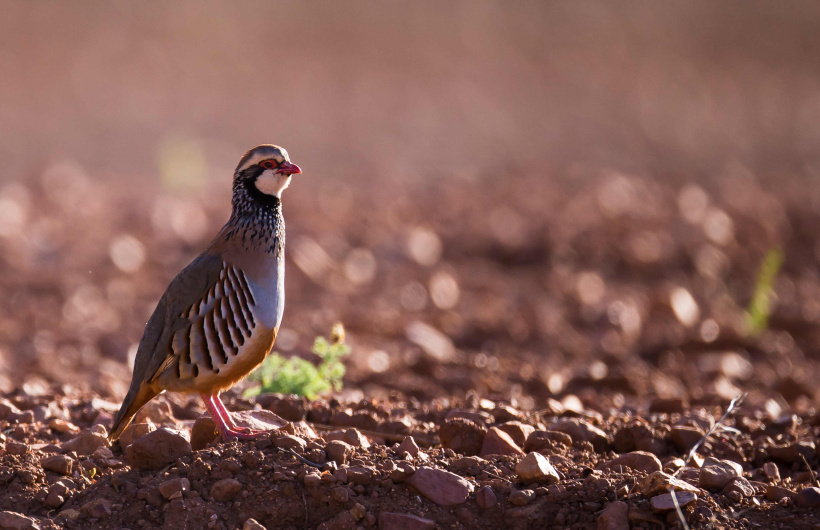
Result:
{"points": [[537, 201]]}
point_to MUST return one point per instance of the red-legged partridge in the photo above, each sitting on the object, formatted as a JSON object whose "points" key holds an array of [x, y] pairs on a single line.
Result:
{"points": [[219, 317]]}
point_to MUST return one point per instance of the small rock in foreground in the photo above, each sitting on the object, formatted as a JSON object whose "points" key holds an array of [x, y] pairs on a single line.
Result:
{"points": [[157, 449], [536, 468], [441, 487]]}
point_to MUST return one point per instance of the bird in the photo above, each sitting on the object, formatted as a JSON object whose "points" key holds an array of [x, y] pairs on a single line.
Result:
{"points": [[219, 317]]}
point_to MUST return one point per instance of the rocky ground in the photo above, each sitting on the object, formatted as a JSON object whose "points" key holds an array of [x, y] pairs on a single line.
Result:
{"points": [[475, 463], [538, 355]]}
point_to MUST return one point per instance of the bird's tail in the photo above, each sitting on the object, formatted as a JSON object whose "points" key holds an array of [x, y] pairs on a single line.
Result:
{"points": [[133, 402]]}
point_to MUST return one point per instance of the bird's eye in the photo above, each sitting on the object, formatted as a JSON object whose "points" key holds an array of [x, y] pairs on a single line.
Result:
{"points": [[268, 164]]}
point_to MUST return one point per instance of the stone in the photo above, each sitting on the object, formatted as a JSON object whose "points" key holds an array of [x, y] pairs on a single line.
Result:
{"points": [[97, 508], [16, 448], [684, 437], [808, 497], [85, 444], [776, 493], [462, 436], [157, 410], [477, 416], [739, 488], [174, 488], [792, 452], [637, 460], [61, 464], [614, 517], [582, 431], [252, 524], [485, 497], [660, 482], [258, 420], [134, 431], [289, 441], [546, 441], [441, 487], [665, 503], [355, 439], [408, 445], [339, 451], [402, 471], [716, 474], [360, 475], [54, 500], [358, 511], [62, 426], [312, 480], [225, 490], [467, 463], [675, 405], [521, 497], [404, 521], [771, 471], [16, 521], [535, 467], [517, 431], [300, 429], [157, 449], [203, 433], [498, 442]]}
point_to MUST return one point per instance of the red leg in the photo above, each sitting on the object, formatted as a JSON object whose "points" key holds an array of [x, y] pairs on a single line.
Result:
{"points": [[224, 423]]}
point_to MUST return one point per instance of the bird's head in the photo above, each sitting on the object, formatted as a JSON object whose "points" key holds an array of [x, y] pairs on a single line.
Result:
{"points": [[265, 171]]}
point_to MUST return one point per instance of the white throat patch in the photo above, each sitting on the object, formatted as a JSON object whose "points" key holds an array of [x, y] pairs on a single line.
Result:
{"points": [[272, 183]]}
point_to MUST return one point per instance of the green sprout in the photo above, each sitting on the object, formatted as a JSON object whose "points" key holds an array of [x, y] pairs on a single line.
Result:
{"points": [[298, 376], [759, 310]]}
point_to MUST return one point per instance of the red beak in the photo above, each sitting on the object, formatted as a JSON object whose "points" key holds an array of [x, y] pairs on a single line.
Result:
{"points": [[286, 168]]}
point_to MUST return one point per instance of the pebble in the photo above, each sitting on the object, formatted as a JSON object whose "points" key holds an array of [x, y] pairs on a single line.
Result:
{"points": [[404, 521], [202, 433], [339, 451], [358, 511], [535, 467], [290, 441], [519, 432], [441, 487], [637, 460], [16, 521], [716, 474], [614, 517], [792, 452], [408, 445], [97, 508], [134, 431], [462, 436], [63, 426], [664, 503], [61, 464], [545, 441], [85, 444], [771, 471], [660, 482], [498, 442], [684, 437], [16, 448], [174, 488], [157, 449], [808, 497], [776, 493], [360, 475], [477, 416], [485, 497], [356, 439], [521, 497], [312, 480], [582, 431], [226, 489], [252, 524], [738, 488], [402, 471], [7, 408]]}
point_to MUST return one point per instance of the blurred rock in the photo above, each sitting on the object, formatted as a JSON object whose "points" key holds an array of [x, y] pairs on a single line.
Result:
{"points": [[58, 463], [202, 433], [485, 497], [339, 451], [521, 497], [157, 449], [174, 488], [17, 521], [808, 498], [660, 482], [684, 438], [546, 441], [441, 487], [134, 431], [408, 445], [614, 517], [497, 442], [462, 436], [97, 508], [776, 493], [582, 431], [225, 490], [517, 431]]}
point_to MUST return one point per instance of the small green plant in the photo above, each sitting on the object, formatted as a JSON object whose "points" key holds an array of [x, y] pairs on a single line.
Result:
{"points": [[298, 376], [757, 314]]}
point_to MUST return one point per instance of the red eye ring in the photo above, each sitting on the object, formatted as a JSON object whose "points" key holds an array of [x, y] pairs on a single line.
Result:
{"points": [[268, 164]]}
